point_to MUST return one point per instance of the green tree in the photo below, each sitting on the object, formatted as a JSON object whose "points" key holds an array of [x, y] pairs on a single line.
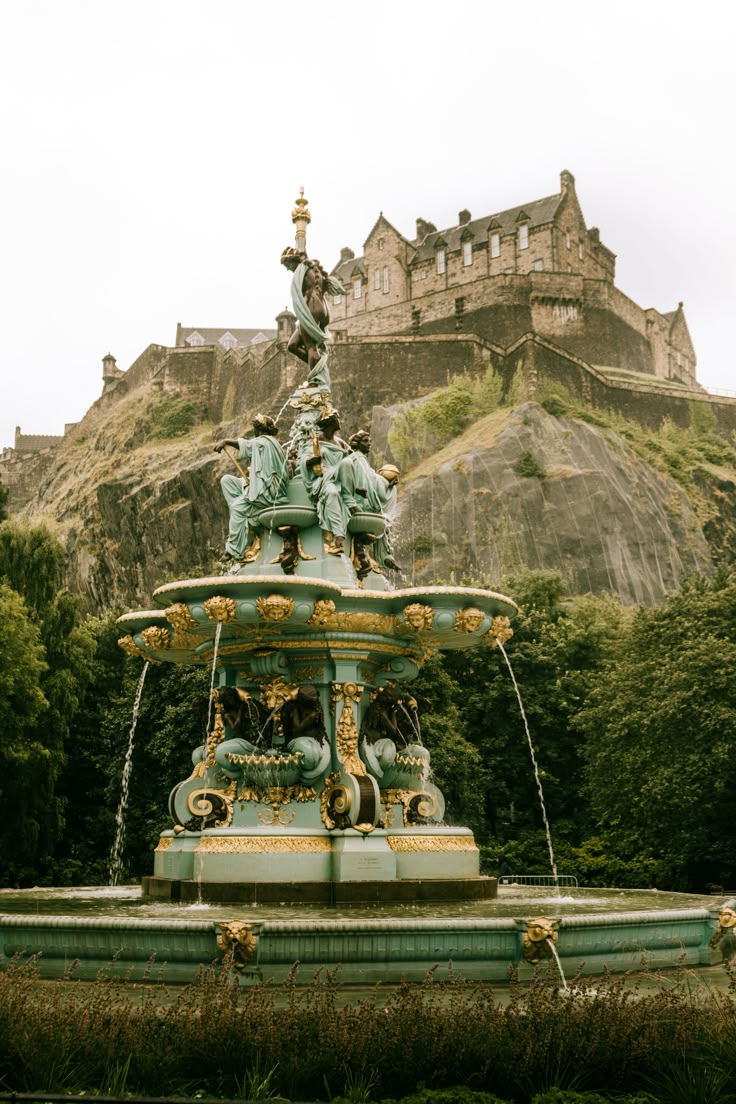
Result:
{"points": [[169, 728], [25, 760], [32, 564], [658, 726], [555, 653], [3, 501]]}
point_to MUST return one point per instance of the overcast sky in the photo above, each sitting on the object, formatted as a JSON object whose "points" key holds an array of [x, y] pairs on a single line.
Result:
{"points": [[152, 151]]}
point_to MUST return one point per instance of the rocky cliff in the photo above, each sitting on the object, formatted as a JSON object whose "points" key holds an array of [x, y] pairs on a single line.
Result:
{"points": [[517, 486]]}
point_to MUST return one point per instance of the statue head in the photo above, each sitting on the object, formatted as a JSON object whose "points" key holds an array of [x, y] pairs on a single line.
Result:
{"points": [[361, 441], [291, 258], [390, 473], [265, 426], [328, 420], [308, 694]]}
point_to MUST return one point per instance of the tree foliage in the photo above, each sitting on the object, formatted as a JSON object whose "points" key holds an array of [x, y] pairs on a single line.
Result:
{"points": [[659, 725]]}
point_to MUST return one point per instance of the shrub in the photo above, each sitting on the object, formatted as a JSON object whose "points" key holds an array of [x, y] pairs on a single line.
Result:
{"points": [[173, 417], [528, 467]]}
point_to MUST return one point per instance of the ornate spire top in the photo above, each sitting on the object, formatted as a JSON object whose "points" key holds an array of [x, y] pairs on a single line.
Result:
{"points": [[301, 218]]}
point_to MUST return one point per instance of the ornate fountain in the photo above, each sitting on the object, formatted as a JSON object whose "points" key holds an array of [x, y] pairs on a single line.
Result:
{"points": [[313, 784]]}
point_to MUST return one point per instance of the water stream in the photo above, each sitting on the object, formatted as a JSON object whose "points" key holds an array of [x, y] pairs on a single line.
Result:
{"points": [[556, 957], [116, 855], [553, 864]]}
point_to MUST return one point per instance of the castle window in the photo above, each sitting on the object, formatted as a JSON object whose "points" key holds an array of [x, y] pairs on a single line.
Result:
{"points": [[356, 287], [467, 253], [380, 243], [567, 241], [195, 339], [580, 250], [228, 341], [385, 279], [441, 261], [524, 235], [538, 265], [337, 300], [377, 280], [495, 245]]}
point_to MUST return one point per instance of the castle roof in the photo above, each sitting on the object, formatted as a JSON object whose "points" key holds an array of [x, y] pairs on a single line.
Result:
{"points": [[32, 442], [208, 335], [537, 213]]}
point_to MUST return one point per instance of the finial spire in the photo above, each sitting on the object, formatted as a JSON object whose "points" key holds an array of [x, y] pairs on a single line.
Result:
{"points": [[301, 218]]}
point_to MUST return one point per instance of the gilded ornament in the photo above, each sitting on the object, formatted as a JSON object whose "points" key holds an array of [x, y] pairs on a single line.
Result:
{"points": [[237, 940], [499, 632], [164, 843], [334, 803], [130, 647], [217, 734], [726, 923], [156, 637], [180, 618], [538, 938], [469, 620], [276, 607], [418, 616], [431, 843], [309, 674], [220, 608], [202, 803], [346, 737], [416, 805], [277, 795], [264, 845], [253, 550], [323, 610], [275, 814]]}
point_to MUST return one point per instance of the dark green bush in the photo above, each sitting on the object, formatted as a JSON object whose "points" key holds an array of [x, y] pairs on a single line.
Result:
{"points": [[528, 467], [173, 417]]}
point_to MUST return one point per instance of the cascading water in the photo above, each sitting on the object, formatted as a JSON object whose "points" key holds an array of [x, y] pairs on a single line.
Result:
{"points": [[116, 855], [553, 864]]}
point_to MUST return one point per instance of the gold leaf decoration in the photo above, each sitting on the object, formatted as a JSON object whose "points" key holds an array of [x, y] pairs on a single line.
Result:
{"points": [[469, 620], [323, 609], [346, 737], [220, 608], [156, 637], [276, 607], [237, 939], [130, 647], [418, 616], [499, 632]]}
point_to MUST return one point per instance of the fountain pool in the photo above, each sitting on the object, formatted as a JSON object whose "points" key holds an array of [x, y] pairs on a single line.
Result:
{"points": [[119, 929]]}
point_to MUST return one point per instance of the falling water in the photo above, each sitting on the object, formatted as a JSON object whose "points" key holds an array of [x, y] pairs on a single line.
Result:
{"points": [[553, 864], [116, 855], [556, 957], [413, 721]]}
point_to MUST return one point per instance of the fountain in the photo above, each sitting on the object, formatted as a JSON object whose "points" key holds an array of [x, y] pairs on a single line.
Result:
{"points": [[313, 787]]}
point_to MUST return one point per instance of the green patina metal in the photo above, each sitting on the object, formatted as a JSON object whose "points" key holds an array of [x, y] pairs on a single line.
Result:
{"points": [[312, 785]]}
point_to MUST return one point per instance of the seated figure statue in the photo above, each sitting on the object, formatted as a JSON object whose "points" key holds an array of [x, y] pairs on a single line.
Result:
{"points": [[319, 467], [304, 731], [391, 756], [363, 488], [266, 484]]}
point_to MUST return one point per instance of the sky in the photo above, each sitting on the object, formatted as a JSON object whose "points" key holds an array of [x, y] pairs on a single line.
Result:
{"points": [[152, 151]]}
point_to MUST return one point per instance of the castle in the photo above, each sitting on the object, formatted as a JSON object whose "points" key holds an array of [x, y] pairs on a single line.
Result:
{"points": [[528, 290], [534, 268]]}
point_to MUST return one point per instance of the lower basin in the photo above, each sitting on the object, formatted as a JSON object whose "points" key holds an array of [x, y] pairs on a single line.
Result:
{"points": [[596, 930]]}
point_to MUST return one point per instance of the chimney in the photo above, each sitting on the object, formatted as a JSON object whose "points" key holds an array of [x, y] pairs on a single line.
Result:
{"points": [[463, 217], [346, 254], [567, 182], [594, 234], [424, 227]]}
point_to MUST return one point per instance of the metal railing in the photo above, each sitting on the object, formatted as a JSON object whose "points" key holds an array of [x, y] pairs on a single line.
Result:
{"points": [[539, 879]]}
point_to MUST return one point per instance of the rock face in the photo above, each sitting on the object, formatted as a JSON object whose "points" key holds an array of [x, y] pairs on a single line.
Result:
{"points": [[518, 488], [523, 488]]}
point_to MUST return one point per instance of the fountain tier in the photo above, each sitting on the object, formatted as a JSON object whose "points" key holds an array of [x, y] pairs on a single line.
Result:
{"points": [[332, 811]]}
